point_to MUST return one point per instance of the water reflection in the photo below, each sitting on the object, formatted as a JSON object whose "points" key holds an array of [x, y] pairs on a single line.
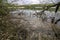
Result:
{"points": [[37, 25], [29, 14]]}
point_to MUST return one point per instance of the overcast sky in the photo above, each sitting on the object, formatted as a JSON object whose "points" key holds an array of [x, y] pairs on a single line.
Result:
{"points": [[34, 1]]}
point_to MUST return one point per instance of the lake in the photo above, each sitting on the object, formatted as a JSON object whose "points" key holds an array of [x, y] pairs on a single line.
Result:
{"points": [[35, 24]]}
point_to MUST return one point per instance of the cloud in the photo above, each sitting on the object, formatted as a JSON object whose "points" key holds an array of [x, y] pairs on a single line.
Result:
{"points": [[35, 2], [20, 2]]}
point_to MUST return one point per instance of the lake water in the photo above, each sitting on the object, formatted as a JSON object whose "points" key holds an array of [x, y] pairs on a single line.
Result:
{"points": [[29, 15], [36, 23], [31, 12]]}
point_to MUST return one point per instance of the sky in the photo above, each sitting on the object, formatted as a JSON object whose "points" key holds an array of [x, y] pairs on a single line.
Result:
{"points": [[20, 2]]}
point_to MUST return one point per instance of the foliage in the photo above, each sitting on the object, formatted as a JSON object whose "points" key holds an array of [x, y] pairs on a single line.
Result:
{"points": [[6, 27], [9, 30]]}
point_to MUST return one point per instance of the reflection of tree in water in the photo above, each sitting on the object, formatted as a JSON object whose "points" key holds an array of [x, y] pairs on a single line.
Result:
{"points": [[43, 17]]}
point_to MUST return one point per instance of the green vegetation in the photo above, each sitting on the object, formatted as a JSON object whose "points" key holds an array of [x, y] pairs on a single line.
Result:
{"points": [[6, 27], [10, 30], [33, 7]]}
